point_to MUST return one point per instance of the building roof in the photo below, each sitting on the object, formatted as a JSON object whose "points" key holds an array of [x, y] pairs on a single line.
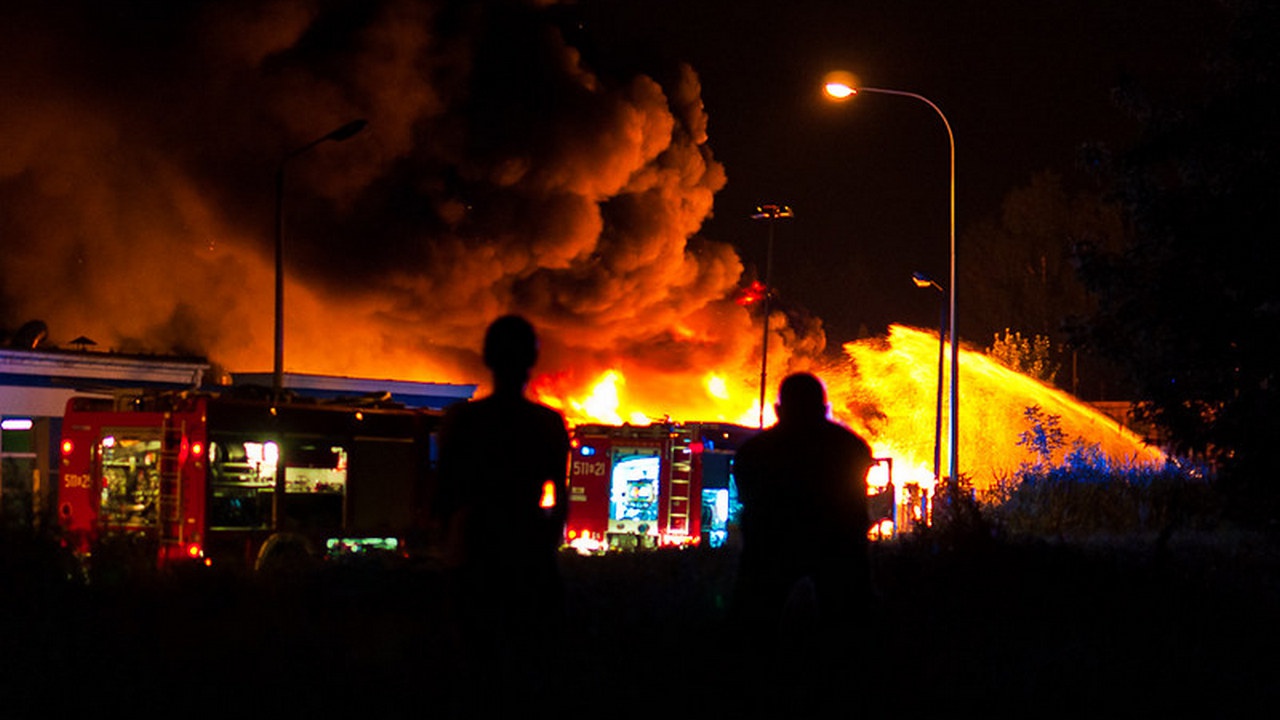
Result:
{"points": [[434, 396], [39, 382]]}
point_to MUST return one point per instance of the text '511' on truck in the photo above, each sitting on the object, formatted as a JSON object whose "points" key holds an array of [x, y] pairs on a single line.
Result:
{"points": [[233, 480]]}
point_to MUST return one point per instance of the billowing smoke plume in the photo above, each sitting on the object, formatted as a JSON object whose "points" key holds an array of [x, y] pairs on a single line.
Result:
{"points": [[498, 173]]}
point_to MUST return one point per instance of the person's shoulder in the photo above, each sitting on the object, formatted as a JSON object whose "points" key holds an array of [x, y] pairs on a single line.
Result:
{"points": [[848, 436], [460, 406], [544, 413], [759, 442], [461, 409], [547, 410], [545, 417]]}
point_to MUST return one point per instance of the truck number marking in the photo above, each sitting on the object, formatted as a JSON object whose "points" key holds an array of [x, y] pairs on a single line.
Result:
{"points": [[587, 467]]}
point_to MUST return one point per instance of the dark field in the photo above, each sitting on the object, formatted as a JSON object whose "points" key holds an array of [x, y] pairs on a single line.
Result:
{"points": [[1011, 629]]}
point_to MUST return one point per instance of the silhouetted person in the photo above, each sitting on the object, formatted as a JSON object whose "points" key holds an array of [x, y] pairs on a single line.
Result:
{"points": [[803, 488], [502, 470]]}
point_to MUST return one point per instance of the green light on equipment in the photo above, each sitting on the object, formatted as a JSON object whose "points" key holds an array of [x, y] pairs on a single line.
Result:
{"points": [[357, 546]]}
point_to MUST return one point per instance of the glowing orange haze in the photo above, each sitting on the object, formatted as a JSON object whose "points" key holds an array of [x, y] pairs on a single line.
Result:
{"points": [[885, 389]]}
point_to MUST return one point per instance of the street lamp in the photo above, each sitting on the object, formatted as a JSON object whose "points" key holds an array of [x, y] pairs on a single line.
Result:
{"points": [[337, 135], [842, 86], [770, 213], [924, 281]]}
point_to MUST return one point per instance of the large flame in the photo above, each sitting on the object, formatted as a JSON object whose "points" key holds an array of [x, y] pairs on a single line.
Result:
{"points": [[890, 396], [613, 399], [886, 390]]}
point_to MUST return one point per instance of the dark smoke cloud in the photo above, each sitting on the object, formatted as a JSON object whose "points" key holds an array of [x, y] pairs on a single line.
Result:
{"points": [[498, 173]]}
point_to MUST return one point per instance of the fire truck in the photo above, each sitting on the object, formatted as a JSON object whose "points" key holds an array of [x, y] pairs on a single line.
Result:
{"points": [[229, 478], [660, 485]]}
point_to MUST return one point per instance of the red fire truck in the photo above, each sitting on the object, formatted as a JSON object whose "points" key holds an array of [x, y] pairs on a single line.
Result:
{"points": [[216, 477], [639, 487]]}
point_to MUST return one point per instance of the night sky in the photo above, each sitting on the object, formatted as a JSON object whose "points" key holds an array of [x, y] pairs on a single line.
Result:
{"points": [[1023, 85], [592, 165]]}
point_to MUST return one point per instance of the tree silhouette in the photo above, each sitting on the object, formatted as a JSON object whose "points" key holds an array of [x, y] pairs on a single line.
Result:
{"points": [[1019, 274], [1190, 305]]}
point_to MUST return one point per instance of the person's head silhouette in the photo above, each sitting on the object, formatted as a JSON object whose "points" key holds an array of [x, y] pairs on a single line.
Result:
{"points": [[510, 351], [801, 399]]}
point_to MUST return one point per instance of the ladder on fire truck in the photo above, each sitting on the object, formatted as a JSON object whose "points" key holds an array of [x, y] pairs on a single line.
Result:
{"points": [[680, 500], [170, 502]]}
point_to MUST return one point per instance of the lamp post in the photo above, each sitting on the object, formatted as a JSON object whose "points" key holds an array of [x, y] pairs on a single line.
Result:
{"points": [[337, 135], [842, 86], [924, 281], [771, 214]]}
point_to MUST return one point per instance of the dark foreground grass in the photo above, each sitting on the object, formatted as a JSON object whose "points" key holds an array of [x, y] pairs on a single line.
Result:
{"points": [[1126, 627]]}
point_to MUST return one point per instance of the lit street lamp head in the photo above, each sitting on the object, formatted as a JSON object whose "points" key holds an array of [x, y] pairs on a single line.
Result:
{"points": [[840, 85], [923, 281], [772, 212]]}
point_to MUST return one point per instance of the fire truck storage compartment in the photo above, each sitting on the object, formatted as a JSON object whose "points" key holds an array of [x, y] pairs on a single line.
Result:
{"points": [[634, 490], [315, 484], [386, 484], [130, 464], [242, 481], [719, 494]]}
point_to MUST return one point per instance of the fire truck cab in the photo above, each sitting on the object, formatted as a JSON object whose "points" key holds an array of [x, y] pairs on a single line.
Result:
{"points": [[641, 487], [212, 478]]}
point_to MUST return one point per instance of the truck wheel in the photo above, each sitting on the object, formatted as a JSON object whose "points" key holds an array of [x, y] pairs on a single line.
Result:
{"points": [[285, 553]]}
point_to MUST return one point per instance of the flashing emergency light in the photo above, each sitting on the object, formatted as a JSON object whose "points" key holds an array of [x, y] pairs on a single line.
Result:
{"points": [[67, 447], [197, 449], [548, 499], [587, 451]]}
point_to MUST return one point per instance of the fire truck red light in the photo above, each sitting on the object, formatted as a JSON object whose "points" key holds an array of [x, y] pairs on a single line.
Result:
{"points": [[67, 447], [548, 500], [197, 449]]}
